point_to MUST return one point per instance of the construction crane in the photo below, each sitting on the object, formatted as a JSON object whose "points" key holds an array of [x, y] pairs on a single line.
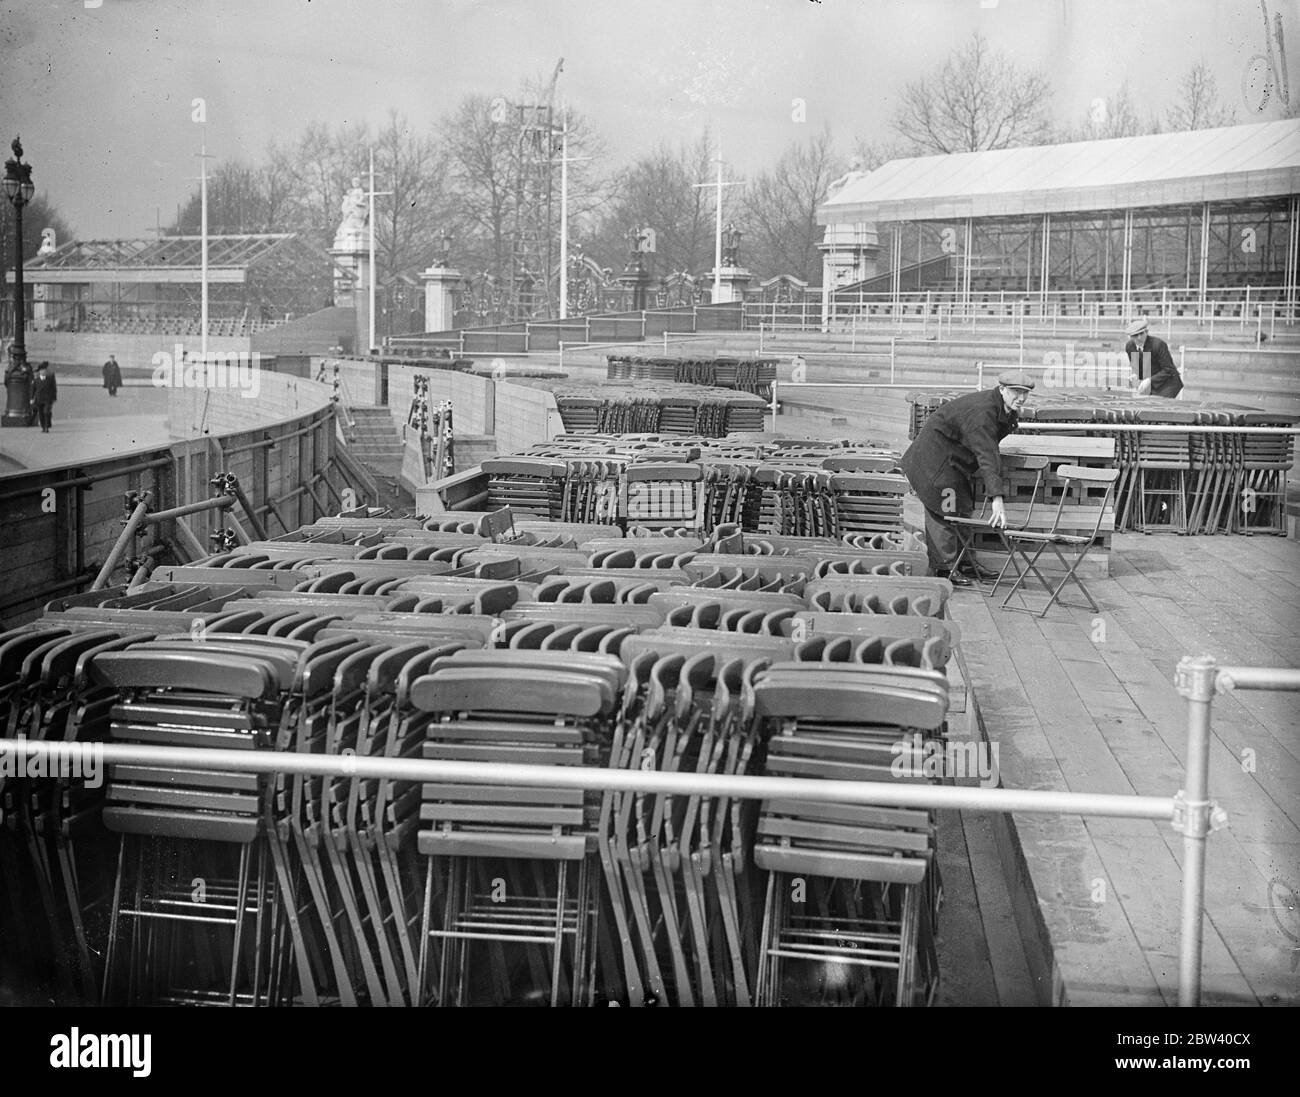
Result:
{"points": [[532, 238]]}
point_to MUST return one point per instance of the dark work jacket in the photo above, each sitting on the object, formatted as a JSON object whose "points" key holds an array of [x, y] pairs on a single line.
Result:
{"points": [[112, 375], [957, 442], [45, 390], [1156, 362]]}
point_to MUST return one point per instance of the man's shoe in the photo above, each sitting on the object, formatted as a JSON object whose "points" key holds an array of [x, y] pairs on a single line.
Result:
{"points": [[956, 578], [979, 574]]}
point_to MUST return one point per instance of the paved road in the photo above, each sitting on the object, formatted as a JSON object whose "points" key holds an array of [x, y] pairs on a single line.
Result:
{"points": [[89, 424]]}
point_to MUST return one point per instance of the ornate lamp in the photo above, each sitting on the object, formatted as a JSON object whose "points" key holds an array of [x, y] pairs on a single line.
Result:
{"points": [[18, 374]]}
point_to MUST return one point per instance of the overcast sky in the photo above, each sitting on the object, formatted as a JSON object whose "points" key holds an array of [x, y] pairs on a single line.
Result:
{"points": [[101, 93]]}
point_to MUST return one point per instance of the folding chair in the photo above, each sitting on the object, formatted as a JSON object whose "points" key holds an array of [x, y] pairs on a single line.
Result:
{"points": [[968, 530], [843, 723], [181, 693], [556, 711], [1063, 544]]}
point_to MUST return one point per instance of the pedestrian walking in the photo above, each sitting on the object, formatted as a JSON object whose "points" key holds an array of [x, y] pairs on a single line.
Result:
{"points": [[45, 390], [112, 375]]}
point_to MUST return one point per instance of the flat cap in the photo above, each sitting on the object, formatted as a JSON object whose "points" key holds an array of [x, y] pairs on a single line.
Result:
{"points": [[1013, 379], [1136, 327]]}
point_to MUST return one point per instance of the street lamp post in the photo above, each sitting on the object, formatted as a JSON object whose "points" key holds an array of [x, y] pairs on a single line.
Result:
{"points": [[18, 374]]}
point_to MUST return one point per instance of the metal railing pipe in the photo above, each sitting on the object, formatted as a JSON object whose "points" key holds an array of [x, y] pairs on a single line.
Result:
{"points": [[81, 481], [217, 502], [1195, 679], [1230, 678], [120, 545], [1113, 805], [1155, 428]]}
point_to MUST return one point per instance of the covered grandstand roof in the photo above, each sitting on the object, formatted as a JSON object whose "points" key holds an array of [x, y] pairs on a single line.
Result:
{"points": [[1164, 169], [171, 258]]}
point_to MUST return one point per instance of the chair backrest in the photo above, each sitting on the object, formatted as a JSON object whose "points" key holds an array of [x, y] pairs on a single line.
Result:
{"points": [[1075, 476], [854, 693], [457, 689]]}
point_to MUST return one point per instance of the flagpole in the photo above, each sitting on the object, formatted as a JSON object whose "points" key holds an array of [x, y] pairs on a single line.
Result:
{"points": [[717, 234], [717, 231], [203, 249], [370, 346], [564, 217]]}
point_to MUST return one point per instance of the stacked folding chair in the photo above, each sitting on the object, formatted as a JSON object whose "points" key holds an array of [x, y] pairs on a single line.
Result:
{"points": [[467, 638], [849, 886], [513, 864], [191, 918]]}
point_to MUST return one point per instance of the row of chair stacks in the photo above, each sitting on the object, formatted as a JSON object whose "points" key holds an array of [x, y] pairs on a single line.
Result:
{"points": [[640, 408], [1197, 482], [924, 404], [1193, 482], [813, 489], [369, 636], [745, 374]]}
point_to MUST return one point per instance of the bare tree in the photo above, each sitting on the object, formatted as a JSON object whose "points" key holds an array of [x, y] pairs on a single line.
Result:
{"points": [[978, 100], [479, 140], [236, 202], [1115, 115], [869, 155], [780, 206], [487, 140], [414, 168], [657, 191], [320, 167], [1198, 105]]}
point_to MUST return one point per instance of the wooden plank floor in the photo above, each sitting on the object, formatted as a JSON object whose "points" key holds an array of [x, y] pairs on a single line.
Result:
{"points": [[1085, 702]]}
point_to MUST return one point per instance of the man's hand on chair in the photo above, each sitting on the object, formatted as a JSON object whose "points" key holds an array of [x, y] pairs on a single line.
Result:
{"points": [[998, 519]]}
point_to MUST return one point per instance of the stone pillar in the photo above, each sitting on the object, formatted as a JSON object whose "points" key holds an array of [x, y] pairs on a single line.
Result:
{"points": [[636, 279], [439, 297], [351, 292], [731, 284], [46, 300], [849, 254]]}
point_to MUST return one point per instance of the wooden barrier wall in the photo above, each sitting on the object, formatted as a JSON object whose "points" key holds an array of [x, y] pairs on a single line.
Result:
{"points": [[58, 525]]}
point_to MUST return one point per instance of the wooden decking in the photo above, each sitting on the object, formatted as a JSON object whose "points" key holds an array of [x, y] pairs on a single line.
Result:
{"points": [[1085, 702]]}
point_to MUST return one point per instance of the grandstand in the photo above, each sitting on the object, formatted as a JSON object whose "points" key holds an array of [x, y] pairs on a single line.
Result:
{"points": [[1193, 224], [152, 287]]}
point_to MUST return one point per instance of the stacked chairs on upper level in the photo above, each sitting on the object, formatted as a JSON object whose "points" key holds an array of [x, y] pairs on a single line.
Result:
{"points": [[1265, 462], [1163, 461]]}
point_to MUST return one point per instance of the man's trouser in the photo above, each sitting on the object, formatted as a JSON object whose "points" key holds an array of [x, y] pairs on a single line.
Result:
{"points": [[941, 543], [44, 412]]}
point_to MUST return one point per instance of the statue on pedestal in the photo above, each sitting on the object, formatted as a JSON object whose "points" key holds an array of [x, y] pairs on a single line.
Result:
{"points": [[730, 246], [48, 242], [351, 235], [855, 172]]}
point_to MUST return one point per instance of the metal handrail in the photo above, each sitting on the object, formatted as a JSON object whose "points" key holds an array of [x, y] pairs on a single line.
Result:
{"points": [[591, 778], [1199, 680]]}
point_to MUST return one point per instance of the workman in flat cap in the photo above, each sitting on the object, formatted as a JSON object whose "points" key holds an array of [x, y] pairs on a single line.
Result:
{"points": [[1153, 365], [958, 445]]}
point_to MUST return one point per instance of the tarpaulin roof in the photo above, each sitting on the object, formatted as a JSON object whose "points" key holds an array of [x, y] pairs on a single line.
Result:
{"points": [[1232, 163]]}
